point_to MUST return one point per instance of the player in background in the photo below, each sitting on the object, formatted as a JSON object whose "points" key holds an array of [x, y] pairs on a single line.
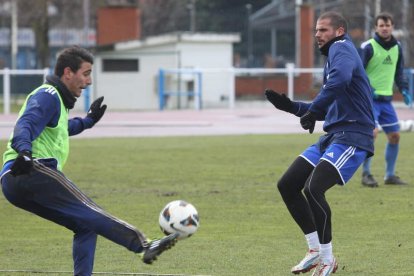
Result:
{"points": [[32, 177], [384, 63], [344, 102]]}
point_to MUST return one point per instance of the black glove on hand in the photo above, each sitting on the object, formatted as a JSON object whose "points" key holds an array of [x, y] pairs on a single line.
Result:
{"points": [[307, 121], [280, 101], [23, 164], [97, 110]]}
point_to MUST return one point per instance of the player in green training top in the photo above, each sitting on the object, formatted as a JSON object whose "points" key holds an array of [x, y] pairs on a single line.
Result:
{"points": [[384, 63], [32, 178]]}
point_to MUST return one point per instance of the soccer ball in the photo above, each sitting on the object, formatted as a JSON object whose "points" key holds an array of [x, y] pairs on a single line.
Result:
{"points": [[179, 217]]}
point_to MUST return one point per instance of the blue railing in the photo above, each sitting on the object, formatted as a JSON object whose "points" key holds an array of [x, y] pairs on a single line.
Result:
{"points": [[163, 93]]}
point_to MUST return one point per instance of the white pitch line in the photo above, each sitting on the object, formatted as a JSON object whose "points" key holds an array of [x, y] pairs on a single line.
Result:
{"points": [[101, 273]]}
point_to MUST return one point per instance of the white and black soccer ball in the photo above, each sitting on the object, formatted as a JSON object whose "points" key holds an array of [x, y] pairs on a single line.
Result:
{"points": [[180, 217]]}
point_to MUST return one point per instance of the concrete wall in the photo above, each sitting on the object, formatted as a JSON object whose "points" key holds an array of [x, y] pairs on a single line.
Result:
{"points": [[132, 90]]}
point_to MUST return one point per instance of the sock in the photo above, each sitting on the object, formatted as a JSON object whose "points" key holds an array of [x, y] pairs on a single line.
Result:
{"points": [[313, 240], [391, 153], [325, 253], [366, 166]]}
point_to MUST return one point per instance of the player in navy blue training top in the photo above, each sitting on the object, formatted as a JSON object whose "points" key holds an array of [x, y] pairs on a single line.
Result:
{"points": [[32, 177], [344, 102]]}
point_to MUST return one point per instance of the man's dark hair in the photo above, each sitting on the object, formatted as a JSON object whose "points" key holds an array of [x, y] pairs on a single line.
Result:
{"points": [[72, 57], [387, 17], [337, 20]]}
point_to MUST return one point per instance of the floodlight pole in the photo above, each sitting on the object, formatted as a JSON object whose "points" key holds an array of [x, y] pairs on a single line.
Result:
{"points": [[14, 30], [249, 37], [405, 38], [192, 8], [298, 5], [86, 7], [367, 16], [377, 7]]}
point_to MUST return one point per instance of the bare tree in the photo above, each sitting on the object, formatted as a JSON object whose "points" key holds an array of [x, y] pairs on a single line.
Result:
{"points": [[41, 31], [161, 16]]}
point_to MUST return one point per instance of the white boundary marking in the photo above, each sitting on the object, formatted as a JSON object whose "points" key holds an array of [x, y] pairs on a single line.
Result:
{"points": [[96, 273]]}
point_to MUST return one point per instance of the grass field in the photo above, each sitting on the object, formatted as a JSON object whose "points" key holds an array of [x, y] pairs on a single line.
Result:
{"points": [[245, 227]]}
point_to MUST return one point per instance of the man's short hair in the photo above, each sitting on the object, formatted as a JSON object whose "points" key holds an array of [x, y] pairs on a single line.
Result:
{"points": [[72, 57], [337, 20], [385, 16]]}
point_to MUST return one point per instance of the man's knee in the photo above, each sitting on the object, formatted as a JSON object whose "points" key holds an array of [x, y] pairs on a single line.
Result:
{"points": [[393, 137], [283, 186], [323, 178]]}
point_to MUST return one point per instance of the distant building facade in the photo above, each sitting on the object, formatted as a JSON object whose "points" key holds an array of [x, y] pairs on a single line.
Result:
{"points": [[127, 73], [26, 55]]}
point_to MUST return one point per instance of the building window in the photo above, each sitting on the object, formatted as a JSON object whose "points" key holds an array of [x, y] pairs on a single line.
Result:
{"points": [[120, 65]]}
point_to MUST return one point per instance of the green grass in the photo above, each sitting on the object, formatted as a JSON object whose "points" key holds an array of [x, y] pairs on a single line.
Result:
{"points": [[245, 227]]}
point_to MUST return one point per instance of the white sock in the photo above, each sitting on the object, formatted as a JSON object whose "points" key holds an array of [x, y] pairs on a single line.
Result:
{"points": [[325, 253], [313, 240]]}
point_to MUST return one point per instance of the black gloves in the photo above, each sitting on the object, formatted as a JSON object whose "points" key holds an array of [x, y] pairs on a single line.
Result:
{"points": [[97, 110], [307, 121], [280, 101], [23, 164]]}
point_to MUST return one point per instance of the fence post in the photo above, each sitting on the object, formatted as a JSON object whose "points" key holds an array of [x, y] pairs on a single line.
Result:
{"points": [[232, 88], [410, 73], [198, 94], [161, 89], [86, 98], [46, 71], [6, 91], [290, 71]]}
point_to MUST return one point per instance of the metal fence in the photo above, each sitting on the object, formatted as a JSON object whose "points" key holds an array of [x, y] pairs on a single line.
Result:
{"points": [[15, 83], [19, 82], [296, 82]]}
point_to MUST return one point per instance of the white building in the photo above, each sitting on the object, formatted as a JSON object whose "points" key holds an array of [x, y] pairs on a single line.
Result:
{"points": [[127, 73]]}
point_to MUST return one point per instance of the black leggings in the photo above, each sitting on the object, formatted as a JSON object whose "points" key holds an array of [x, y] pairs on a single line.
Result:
{"points": [[309, 209]]}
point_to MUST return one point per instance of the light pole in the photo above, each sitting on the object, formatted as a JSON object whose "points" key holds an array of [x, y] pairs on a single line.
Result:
{"points": [[367, 17], [406, 35], [298, 5], [377, 7], [192, 8], [86, 7], [249, 37], [14, 30]]}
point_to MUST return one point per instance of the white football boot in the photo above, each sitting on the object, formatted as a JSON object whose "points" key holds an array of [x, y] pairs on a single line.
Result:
{"points": [[310, 261], [326, 269]]}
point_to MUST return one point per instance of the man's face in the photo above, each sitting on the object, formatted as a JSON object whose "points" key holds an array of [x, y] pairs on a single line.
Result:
{"points": [[384, 29], [325, 32], [76, 81]]}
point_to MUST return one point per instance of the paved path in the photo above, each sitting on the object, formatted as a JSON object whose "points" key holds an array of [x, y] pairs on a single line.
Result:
{"points": [[254, 120]]}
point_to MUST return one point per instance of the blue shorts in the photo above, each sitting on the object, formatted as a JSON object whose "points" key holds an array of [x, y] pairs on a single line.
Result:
{"points": [[346, 159], [386, 117]]}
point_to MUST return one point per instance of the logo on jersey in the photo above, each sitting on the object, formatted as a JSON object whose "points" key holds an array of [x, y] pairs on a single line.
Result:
{"points": [[51, 90], [387, 60], [340, 41], [330, 154]]}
